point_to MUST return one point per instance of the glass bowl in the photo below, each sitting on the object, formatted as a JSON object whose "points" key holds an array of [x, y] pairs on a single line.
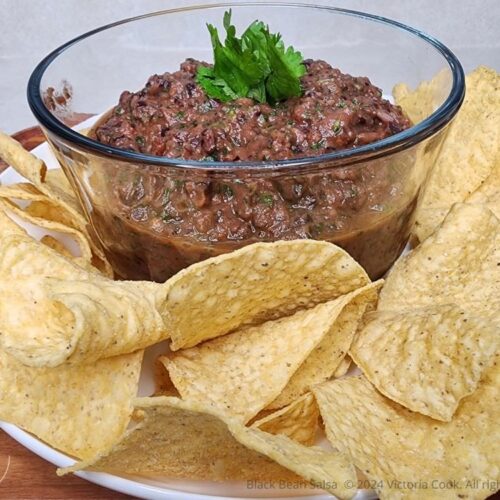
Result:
{"points": [[362, 199]]}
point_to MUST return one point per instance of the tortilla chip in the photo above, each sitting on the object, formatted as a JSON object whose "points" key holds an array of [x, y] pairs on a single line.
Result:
{"points": [[59, 312], [21, 191], [61, 249], [56, 245], [51, 215], [241, 373], [50, 211], [411, 456], [53, 185], [21, 256], [53, 211], [49, 321], [469, 152], [344, 367], [451, 277], [329, 470], [8, 226], [298, 420], [427, 359], [177, 442], [56, 187], [257, 283], [80, 410], [429, 220], [488, 193], [425, 99], [458, 264], [321, 364], [25, 163], [163, 383], [180, 439], [75, 234]]}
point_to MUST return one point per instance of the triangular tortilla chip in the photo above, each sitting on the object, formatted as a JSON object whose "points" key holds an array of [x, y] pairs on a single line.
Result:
{"points": [[218, 372], [257, 283], [470, 149], [181, 439], [299, 420], [49, 321], [321, 364], [411, 456], [427, 359], [80, 410]]}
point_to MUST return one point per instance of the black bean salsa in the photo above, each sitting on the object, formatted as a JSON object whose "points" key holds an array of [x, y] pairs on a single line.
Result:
{"points": [[173, 117], [164, 219]]}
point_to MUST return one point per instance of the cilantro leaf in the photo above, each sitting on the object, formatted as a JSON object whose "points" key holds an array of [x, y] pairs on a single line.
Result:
{"points": [[284, 80], [233, 63], [217, 88], [257, 65]]}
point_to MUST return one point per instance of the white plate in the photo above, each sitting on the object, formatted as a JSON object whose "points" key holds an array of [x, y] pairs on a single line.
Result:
{"points": [[138, 486]]}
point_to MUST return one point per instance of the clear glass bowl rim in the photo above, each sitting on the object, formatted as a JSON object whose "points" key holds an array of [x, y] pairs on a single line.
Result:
{"points": [[390, 145]]}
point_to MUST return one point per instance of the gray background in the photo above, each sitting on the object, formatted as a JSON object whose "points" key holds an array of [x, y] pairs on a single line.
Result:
{"points": [[29, 29]]}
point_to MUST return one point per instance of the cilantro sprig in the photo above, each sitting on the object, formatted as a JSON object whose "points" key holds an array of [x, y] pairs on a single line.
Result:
{"points": [[257, 65]]}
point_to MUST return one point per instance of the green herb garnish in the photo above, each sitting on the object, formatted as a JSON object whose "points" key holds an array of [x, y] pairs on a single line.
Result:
{"points": [[318, 145], [140, 140], [166, 217], [266, 199], [257, 65], [227, 191], [317, 229], [352, 192], [337, 127], [166, 195]]}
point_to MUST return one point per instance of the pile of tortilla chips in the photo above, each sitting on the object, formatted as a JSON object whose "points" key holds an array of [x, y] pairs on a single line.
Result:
{"points": [[467, 168], [254, 364]]}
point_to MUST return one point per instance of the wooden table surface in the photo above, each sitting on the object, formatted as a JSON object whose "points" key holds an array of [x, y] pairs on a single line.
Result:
{"points": [[27, 476], [24, 475]]}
